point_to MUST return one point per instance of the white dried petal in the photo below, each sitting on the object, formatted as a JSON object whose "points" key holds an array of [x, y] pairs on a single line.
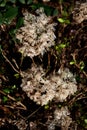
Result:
{"points": [[61, 118], [80, 12], [43, 89], [37, 32], [59, 113]]}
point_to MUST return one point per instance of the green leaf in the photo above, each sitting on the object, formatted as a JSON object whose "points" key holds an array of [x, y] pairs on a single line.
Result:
{"points": [[11, 14], [19, 22], [29, 1], [72, 62], [47, 9], [16, 76], [3, 3], [12, 1], [5, 99], [14, 87], [34, 6], [64, 13], [22, 1], [6, 90], [1, 19], [82, 65], [46, 107], [62, 45], [61, 20], [55, 12], [85, 121], [67, 21]]}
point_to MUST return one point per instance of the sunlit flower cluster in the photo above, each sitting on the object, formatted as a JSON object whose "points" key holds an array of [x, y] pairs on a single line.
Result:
{"points": [[42, 89], [37, 34]]}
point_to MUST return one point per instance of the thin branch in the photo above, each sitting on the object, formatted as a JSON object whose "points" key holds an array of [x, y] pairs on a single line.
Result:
{"points": [[33, 113], [13, 107], [15, 63], [13, 99], [9, 62]]}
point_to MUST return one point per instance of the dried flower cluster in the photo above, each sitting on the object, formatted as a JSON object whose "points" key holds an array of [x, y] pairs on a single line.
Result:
{"points": [[61, 118], [37, 34], [80, 12], [42, 89]]}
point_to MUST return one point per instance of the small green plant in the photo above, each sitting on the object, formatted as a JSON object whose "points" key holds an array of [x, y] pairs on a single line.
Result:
{"points": [[62, 45], [5, 99], [64, 21], [46, 107], [72, 62], [85, 123], [82, 65], [9, 89]]}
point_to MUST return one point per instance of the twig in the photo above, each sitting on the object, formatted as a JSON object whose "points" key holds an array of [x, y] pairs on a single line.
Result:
{"points": [[15, 63], [9, 62], [13, 99], [12, 107], [3, 77], [33, 113], [79, 96]]}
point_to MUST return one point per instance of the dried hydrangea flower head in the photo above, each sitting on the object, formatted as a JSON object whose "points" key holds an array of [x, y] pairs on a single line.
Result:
{"points": [[37, 34], [80, 12], [42, 89], [61, 118]]}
